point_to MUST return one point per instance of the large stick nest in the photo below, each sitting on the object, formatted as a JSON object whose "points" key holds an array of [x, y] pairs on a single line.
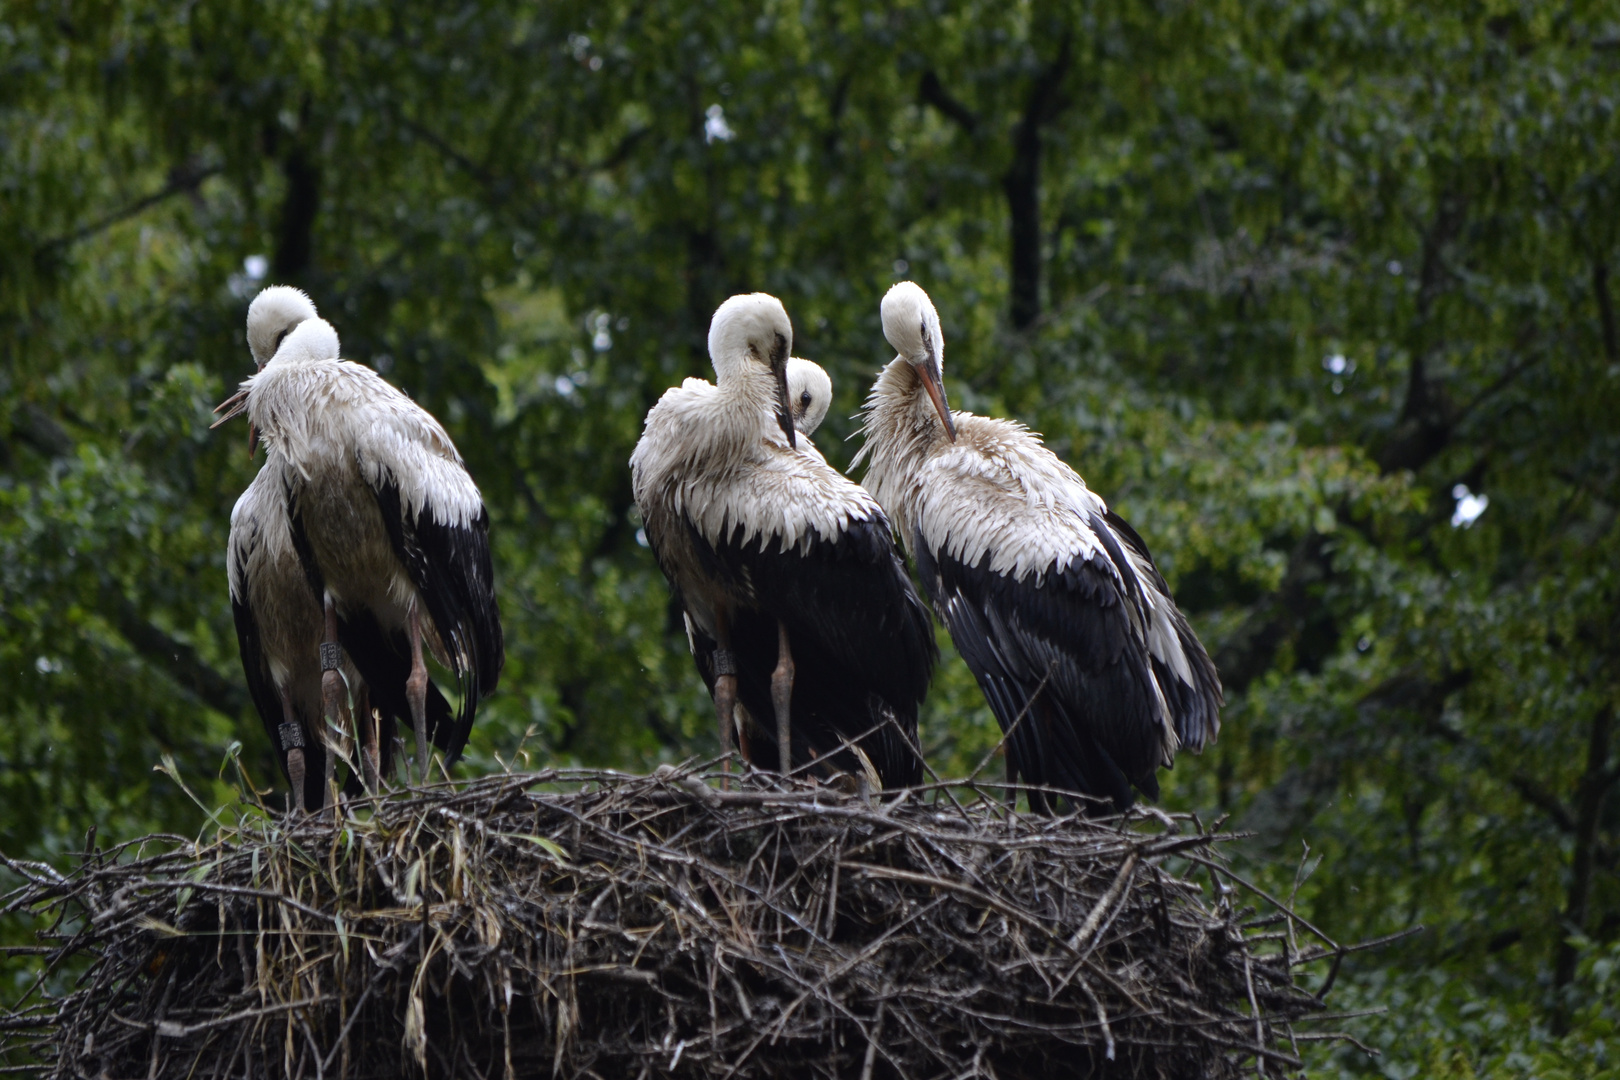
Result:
{"points": [[595, 924]]}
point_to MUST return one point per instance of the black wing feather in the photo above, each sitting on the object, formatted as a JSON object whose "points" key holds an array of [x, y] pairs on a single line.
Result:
{"points": [[1196, 707], [862, 642], [452, 568], [1056, 654]]}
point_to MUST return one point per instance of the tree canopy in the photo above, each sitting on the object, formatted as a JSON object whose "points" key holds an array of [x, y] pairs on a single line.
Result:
{"points": [[1316, 292]]}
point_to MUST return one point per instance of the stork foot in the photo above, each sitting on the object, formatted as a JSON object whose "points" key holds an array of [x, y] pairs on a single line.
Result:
{"points": [[332, 700], [416, 695], [291, 736]]}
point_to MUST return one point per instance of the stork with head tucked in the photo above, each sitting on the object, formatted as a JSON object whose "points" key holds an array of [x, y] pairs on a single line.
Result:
{"points": [[280, 625], [1051, 598], [797, 603], [388, 528]]}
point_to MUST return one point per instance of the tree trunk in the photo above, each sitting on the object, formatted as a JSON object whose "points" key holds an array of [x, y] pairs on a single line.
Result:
{"points": [[295, 238], [1425, 424], [1595, 784], [1605, 304], [1022, 185]]}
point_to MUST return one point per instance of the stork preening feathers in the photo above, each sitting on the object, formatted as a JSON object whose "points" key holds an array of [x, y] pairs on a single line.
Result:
{"points": [[389, 534], [1051, 598], [364, 529], [797, 604]]}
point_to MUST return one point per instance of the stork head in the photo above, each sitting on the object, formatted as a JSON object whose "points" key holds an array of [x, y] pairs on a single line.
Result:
{"points": [[272, 316], [751, 334], [809, 394], [312, 339], [912, 326]]}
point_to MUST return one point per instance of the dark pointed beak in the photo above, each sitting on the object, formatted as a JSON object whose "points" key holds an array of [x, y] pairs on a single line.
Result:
{"points": [[784, 410], [928, 372], [784, 403]]}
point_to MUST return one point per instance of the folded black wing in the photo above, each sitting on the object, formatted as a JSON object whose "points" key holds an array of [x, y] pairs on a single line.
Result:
{"points": [[1056, 654], [452, 568], [1195, 705], [861, 638]]}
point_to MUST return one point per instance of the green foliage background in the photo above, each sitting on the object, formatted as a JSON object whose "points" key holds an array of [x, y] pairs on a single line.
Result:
{"points": [[1295, 270]]}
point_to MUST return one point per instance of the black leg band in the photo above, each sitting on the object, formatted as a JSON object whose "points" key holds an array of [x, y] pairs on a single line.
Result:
{"points": [[331, 656], [725, 662], [292, 736]]}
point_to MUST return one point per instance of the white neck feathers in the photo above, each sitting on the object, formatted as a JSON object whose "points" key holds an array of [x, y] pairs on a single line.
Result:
{"points": [[899, 429]]}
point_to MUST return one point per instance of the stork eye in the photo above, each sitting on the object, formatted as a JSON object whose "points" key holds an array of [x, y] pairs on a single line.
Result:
{"points": [[804, 399], [280, 338]]}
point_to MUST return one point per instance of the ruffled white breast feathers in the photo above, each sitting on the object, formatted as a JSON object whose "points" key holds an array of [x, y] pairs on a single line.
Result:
{"points": [[724, 467], [995, 490]]}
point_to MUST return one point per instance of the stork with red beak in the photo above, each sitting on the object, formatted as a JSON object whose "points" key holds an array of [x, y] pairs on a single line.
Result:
{"points": [[1052, 599]]}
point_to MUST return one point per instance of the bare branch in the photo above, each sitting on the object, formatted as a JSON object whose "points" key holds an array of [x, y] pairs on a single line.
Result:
{"points": [[183, 178], [930, 91]]}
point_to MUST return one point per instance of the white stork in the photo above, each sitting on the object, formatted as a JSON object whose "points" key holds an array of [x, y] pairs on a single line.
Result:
{"points": [[797, 603], [280, 624], [387, 526], [1052, 599]]}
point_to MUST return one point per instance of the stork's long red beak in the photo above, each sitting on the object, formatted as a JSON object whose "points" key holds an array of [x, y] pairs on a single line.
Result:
{"points": [[929, 374]]}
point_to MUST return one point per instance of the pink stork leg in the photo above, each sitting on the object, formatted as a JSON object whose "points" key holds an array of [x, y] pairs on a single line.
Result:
{"points": [[292, 740], [725, 688], [782, 699], [416, 694], [334, 699]]}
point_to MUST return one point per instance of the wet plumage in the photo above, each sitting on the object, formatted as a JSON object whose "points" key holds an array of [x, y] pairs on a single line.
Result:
{"points": [[1052, 599]]}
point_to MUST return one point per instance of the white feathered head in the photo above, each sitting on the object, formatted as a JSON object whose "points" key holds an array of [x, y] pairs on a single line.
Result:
{"points": [[272, 316], [912, 326], [753, 331], [809, 394]]}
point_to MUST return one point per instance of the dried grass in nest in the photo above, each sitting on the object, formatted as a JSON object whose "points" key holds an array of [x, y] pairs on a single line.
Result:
{"points": [[577, 923]]}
